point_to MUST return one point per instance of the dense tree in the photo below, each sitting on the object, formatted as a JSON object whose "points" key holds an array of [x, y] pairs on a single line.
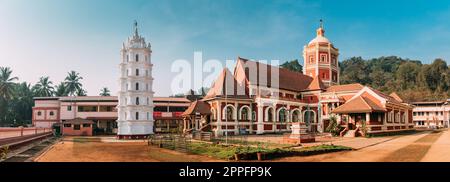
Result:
{"points": [[81, 92], [61, 90], [73, 84], [6, 82], [293, 65], [105, 92], [411, 79], [44, 87]]}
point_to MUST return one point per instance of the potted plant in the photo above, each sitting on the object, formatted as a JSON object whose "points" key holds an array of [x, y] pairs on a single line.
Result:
{"points": [[237, 153], [260, 152]]}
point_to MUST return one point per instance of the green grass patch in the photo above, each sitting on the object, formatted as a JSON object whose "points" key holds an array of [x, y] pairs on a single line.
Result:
{"points": [[255, 143], [250, 153]]}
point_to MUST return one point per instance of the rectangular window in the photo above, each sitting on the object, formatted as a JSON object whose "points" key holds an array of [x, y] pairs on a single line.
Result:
{"points": [[69, 108], [76, 127], [86, 125], [67, 125], [87, 108], [107, 108]]}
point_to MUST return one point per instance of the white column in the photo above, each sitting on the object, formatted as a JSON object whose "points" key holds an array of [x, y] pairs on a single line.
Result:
{"points": [[236, 123], [219, 120], [260, 126]]}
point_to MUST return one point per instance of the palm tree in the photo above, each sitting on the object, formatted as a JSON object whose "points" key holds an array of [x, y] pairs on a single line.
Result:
{"points": [[44, 87], [61, 90], [105, 92], [73, 84], [81, 92], [6, 83]]}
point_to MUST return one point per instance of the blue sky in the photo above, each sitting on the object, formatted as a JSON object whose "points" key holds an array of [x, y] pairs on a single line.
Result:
{"points": [[52, 37]]}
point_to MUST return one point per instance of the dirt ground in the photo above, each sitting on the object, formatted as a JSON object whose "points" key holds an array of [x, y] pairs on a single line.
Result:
{"points": [[409, 148], [83, 149], [422, 146]]}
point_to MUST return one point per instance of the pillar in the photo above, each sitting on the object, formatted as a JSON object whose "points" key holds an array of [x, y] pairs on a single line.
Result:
{"points": [[236, 122], [219, 119], [260, 118]]}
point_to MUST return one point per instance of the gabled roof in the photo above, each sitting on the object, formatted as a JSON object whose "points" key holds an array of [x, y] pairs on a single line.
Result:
{"points": [[316, 84], [287, 79], [396, 97], [345, 88], [199, 107], [224, 84], [359, 104]]}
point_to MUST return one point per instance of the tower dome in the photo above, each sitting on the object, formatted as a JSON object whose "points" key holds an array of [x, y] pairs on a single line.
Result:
{"points": [[321, 59], [320, 38]]}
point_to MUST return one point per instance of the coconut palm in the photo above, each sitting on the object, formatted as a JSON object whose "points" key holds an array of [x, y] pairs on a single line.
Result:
{"points": [[61, 90], [72, 83], [105, 92], [44, 87], [81, 92], [6, 83]]}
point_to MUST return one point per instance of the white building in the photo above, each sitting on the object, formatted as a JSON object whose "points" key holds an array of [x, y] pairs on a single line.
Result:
{"points": [[431, 114], [135, 109]]}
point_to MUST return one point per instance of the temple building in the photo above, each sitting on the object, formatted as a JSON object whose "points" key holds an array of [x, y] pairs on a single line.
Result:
{"points": [[258, 98]]}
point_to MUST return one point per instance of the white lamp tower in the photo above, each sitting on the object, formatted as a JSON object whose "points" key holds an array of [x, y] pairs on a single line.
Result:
{"points": [[135, 108]]}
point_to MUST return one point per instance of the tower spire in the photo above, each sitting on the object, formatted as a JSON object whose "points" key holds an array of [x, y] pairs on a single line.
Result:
{"points": [[320, 30], [136, 34]]}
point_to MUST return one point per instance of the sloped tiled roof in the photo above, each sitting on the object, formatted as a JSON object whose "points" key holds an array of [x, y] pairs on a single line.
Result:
{"points": [[359, 104], [346, 87], [287, 79], [316, 84], [200, 107], [396, 97], [224, 84]]}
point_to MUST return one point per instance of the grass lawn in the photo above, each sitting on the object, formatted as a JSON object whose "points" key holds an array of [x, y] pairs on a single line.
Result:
{"points": [[255, 143], [249, 152]]}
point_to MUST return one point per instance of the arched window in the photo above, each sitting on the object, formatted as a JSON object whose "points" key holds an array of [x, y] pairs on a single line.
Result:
{"points": [[296, 116], [137, 100], [137, 72], [137, 86], [282, 115], [269, 115], [137, 115], [229, 113], [137, 57], [244, 113], [309, 117]]}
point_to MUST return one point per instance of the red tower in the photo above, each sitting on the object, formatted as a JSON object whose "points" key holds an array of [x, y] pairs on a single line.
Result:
{"points": [[321, 59]]}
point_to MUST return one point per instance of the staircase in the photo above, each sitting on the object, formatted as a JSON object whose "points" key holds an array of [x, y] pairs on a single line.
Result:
{"points": [[350, 133]]}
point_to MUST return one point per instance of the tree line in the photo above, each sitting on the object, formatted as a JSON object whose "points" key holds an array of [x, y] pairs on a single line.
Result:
{"points": [[16, 99], [411, 79]]}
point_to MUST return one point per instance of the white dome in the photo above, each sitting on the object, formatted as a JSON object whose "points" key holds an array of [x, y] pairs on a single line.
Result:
{"points": [[319, 39]]}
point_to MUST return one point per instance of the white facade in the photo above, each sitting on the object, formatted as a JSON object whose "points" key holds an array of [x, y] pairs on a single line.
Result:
{"points": [[135, 108], [431, 114]]}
